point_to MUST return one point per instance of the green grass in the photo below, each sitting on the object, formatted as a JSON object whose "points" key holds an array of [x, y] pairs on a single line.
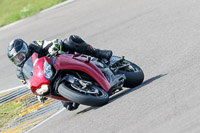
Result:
{"points": [[9, 111], [13, 10]]}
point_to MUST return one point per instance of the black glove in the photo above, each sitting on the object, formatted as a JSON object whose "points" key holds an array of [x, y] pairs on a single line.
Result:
{"points": [[70, 105]]}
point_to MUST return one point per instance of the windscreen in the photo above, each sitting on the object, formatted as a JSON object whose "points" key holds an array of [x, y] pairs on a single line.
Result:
{"points": [[28, 68]]}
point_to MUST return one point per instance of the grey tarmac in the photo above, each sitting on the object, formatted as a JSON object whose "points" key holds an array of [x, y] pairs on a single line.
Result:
{"points": [[162, 37]]}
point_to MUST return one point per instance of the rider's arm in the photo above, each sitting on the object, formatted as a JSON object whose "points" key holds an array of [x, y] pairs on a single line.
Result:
{"points": [[20, 75], [43, 47], [36, 46], [46, 47]]}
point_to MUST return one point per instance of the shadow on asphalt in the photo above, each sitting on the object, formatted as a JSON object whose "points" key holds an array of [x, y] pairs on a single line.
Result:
{"points": [[125, 92]]}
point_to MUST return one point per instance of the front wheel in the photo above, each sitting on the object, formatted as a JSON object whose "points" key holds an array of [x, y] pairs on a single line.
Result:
{"points": [[99, 99]]}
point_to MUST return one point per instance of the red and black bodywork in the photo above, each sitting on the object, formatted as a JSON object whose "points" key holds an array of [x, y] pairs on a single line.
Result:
{"points": [[76, 78], [61, 64]]}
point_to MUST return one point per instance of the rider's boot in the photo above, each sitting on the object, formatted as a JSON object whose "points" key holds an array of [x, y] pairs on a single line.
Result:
{"points": [[98, 53], [102, 54], [75, 43]]}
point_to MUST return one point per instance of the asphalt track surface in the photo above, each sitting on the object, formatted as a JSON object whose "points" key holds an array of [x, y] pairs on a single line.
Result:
{"points": [[162, 37]]}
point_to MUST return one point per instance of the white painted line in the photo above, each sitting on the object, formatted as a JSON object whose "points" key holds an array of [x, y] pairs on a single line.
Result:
{"points": [[46, 119], [48, 9], [11, 89], [56, 6], [9, 25]]}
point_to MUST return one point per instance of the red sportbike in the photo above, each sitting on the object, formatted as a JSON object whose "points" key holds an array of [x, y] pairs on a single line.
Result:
{"points": [[80, 78]]}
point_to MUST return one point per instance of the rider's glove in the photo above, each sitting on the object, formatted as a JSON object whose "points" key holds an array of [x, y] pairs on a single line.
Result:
{"points": [[53, 51], [55, 47], [42, 98], [70, 105]]}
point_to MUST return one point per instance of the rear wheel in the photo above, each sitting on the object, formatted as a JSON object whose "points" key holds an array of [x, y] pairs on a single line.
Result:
{"points": [[134, 77], [134, 74], [96, 97]]}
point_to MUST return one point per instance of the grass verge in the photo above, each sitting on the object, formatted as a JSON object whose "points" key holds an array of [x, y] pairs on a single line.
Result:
{"points": [[9, 111], [13, 10]]}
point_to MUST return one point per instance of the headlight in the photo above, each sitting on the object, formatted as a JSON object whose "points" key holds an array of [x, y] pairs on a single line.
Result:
{"points": [[47, 70], [43, 89]]}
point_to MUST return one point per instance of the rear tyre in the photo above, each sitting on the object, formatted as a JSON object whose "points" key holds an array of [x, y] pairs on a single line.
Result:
{"points": [[133, 78], [87, 99]]}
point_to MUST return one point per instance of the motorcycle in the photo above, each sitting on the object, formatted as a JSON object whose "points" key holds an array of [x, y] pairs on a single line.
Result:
{"points": [[80, 78]]}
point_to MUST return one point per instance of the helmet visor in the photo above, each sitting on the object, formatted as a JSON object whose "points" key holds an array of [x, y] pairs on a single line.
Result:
{"points": [[19, 58], [19, 55]]}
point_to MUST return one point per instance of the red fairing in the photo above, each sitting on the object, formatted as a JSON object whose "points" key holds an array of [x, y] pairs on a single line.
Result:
{"points": [[70, 62], [38, 78]]}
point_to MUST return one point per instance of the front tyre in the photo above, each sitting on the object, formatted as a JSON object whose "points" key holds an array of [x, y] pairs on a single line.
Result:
{"points": [[68, 92]]}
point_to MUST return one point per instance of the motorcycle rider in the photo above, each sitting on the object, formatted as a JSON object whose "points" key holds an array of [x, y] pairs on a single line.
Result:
{"points": [[18, 52]]}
